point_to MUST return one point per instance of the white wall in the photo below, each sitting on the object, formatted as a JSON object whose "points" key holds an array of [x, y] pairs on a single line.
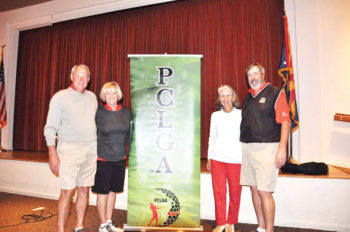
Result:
{"points": [[321, 34], [334, 40]]}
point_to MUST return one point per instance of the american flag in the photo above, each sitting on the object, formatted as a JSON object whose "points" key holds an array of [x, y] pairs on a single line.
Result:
{"points": [[3, 114]]}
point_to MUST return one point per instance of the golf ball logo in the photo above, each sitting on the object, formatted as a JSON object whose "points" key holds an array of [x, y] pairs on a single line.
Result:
{"points": [[166, 207]]}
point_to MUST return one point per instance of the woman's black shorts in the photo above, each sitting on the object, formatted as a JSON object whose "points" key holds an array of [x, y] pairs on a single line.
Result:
{"points": [[109, 177]]}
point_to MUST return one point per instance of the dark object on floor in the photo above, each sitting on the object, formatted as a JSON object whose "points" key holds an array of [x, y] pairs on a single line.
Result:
{"points": [[310, 168]]}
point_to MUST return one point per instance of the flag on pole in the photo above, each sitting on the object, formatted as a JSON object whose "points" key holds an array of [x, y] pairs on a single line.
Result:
{"points": [[3, 114], [287, 74]]}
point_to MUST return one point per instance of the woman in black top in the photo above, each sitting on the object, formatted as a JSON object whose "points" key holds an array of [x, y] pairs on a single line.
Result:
{"points": [[113, 132]]}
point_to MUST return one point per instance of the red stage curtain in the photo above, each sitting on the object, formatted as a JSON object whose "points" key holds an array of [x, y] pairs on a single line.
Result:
{"points": [[33, 89], [230, 34]]}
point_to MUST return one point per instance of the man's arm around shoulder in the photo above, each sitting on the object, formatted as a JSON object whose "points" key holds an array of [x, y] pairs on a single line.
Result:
{"points": [[281, 154]]}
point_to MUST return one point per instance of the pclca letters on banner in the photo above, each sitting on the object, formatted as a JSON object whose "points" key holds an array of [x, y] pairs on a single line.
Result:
{"points": [[164, 99]]}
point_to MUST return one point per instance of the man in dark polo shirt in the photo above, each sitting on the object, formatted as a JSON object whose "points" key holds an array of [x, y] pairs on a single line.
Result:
{"points": [[264, 135]]}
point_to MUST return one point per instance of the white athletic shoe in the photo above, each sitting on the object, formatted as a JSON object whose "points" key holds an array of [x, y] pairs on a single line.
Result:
{"points": [[260, 229], [114, 228], [105, 228]]}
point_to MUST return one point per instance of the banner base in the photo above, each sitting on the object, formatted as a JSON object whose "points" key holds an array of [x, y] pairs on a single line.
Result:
{"points": [[148, 228]]}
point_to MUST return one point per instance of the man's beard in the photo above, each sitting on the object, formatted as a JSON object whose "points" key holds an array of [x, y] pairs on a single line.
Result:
{"points": [[255, 84]]}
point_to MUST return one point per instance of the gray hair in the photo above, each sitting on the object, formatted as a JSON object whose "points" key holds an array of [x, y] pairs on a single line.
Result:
{"points": [[259, 66], [233, 92]]}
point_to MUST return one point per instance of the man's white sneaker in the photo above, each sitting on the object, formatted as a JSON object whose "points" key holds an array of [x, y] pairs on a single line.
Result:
{"points": [[260, 230], [80, 230]]}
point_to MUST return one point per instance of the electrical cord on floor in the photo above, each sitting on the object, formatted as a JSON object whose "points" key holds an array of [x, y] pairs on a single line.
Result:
{"points": [[31, 218]]}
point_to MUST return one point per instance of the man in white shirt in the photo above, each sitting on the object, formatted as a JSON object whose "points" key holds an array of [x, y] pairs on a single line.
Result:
{"points": [[71, 117]]}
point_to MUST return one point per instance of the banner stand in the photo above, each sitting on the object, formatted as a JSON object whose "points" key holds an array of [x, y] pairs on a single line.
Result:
{"points": [[164, 159], [140, 228]]}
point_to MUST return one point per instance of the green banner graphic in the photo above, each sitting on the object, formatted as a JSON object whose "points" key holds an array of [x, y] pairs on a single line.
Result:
{"points": [[164, 161]]}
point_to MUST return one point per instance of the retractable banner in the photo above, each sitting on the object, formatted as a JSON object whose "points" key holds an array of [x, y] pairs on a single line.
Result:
{"points": [[164, 161]]}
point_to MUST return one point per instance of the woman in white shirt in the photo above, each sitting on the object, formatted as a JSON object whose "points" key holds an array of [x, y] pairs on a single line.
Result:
{"points": [[224, 158]]}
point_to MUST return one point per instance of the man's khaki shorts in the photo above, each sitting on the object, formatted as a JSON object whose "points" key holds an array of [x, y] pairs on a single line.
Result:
{"points": [[77, 164], [258, 165]]}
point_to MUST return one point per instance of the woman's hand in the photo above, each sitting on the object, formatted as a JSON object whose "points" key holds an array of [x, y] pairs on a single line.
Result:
{"points": [[209, 165]]}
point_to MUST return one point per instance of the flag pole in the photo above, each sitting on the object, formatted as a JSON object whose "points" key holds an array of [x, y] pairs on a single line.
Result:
{"points": [[290, 150], [290, 155], [2, 60], [290, 87], [2, 51], [287, 74]]}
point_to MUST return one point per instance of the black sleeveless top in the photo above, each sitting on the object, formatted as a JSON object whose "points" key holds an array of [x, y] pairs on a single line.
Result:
{"points": [[113, 132], [259, 117]]}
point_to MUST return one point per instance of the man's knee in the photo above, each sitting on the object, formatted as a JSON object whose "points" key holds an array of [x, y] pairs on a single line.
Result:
{"points": [[254, 190], [82, 191], [66, 193], [264, 194], [65, 199]]}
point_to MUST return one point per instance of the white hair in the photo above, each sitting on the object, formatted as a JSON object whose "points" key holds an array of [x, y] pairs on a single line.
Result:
{"points": [[80, 65]]}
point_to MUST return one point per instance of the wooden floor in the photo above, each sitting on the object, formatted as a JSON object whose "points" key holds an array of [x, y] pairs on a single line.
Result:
{"points": [[16, 214], [35, 156]]}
